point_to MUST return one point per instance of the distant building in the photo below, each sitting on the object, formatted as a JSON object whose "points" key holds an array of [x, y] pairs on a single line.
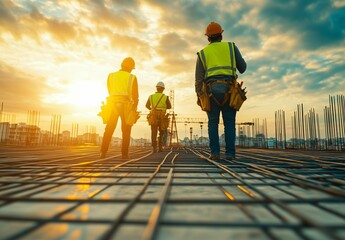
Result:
{"points": [[116, 141], [22, 134], [141, 142], [66, 138], [44, 138], [4, 131]]}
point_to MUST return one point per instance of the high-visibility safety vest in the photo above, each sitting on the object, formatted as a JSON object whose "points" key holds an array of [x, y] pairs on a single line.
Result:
{"points": [[120, 83], [218, 58], [154, 98]]}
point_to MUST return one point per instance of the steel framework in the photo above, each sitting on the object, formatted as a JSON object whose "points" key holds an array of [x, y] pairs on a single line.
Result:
{"points": [[56, 193]]}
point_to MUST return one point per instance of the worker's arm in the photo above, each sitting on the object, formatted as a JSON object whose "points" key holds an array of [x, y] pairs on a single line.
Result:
{"points": [[240, 63], [135, 93], [148, 104], [108, 83], [199, 76], [168, 103]]}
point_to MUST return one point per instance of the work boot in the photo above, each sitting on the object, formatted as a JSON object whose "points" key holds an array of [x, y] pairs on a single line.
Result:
{"points": [[125, 156], [230, 158], [215, 157], [154, 150], [160, 149], [101, 155]]}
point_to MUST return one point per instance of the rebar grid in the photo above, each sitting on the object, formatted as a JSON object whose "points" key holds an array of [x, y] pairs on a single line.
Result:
{"points": [[176, 194]]}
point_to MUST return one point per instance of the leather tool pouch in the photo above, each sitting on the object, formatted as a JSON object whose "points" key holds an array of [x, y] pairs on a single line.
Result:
{"points": [[204, 99], [237, 96]]}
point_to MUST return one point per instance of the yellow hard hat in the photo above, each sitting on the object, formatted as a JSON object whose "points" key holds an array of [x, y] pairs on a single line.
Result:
{"points": [[128, 62], [213, 28]]}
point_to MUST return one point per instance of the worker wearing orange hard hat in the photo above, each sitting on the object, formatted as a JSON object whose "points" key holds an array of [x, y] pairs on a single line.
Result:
{"points": [[123, 94], [215, 73], [213, 28]]}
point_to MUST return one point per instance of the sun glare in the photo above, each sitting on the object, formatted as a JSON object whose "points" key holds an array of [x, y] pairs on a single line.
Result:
{"points": [[86, 94], [79, 95]]}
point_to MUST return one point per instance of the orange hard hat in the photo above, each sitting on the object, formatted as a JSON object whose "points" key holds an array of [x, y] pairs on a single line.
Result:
{"points": [[128, 62], [213, 28]]}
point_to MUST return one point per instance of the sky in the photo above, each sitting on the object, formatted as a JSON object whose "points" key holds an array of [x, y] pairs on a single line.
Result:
{"points": [[55, 56]]}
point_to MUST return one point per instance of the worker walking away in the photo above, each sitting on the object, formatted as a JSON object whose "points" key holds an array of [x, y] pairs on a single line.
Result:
{"points": [[214, 75], [158, 103], [123, 94]]}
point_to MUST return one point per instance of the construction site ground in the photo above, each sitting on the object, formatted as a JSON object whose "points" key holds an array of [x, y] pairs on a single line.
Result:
{"points": [[70, 193]]}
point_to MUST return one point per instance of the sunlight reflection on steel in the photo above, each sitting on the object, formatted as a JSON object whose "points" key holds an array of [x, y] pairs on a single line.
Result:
{"points": [[85, 209], [228, 195], [83, 185], [246, 191]]}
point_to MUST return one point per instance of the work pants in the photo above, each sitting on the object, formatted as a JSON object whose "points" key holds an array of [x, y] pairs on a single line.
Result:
{"points": [[154, 131], [117, 111], [229, 117]]}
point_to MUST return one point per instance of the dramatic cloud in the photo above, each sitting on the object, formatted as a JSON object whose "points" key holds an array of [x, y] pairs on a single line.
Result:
{"points": [[20, 90], [64, 50], [316, 24], [175, 53]]}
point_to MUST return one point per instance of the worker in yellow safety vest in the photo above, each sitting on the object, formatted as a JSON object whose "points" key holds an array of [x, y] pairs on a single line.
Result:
{"points": [[216, 69], [123, 94], [158, 103]]}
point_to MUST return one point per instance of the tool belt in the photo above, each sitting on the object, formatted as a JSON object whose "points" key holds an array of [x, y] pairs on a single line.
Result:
{"points": [[131, 114], [158, 118], [204, 99], [236, 95], [106, 110]]}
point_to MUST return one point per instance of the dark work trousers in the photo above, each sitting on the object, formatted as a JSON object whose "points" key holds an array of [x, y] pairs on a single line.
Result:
{"points": [[229, 117], [154, 131], [118, 111]]}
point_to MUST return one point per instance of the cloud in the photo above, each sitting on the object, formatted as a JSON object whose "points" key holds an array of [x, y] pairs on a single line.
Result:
{"points": [[174, 50], [294, 49], [20, 89], [132, 46], [119, 15], [316, 24], [80, 26], [8, 21]]}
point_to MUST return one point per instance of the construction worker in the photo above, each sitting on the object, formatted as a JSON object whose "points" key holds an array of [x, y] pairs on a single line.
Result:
{"points": [[216, 66], [123, 89], [158, 103]]}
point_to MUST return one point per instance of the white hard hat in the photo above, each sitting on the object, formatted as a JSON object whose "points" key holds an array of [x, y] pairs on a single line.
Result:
{"points": [[160, 84]]}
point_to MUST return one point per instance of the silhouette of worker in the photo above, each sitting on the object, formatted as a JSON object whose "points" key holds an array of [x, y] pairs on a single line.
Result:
{"points": [[158, 103], [123, 93]]}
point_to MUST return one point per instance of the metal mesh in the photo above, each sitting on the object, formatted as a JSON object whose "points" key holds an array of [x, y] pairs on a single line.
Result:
{"points": [[175, 194]]}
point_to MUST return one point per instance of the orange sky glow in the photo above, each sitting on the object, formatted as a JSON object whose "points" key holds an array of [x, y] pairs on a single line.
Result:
{"points": [[56, 55]]}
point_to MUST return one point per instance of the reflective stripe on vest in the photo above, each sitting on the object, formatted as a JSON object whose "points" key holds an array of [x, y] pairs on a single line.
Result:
{"points": [[120, 83], [162, 105], [218, 58]]}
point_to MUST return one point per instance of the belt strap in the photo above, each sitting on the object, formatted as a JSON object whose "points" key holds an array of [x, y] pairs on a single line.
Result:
{"points": [[219, 81], [226, 97]]}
